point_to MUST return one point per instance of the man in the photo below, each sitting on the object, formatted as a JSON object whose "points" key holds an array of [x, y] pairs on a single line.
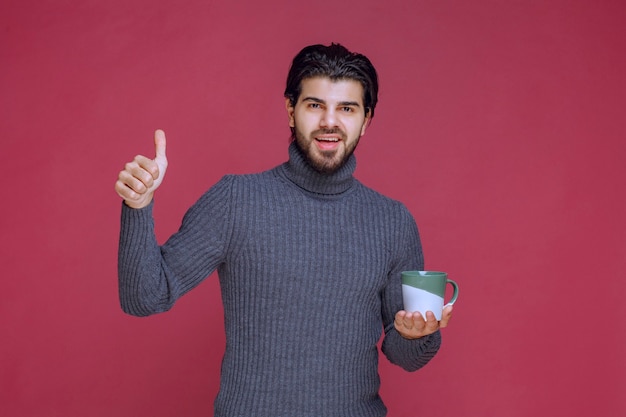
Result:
{"points": [[308, 258]]}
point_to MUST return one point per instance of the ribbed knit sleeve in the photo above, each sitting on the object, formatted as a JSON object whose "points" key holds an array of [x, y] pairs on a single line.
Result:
{"points": [[411, 355], [152, 278]]}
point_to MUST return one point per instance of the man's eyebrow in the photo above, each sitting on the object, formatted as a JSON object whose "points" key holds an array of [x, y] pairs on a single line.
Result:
{"points": [[314, 99], [341, 103], [350, 103]]}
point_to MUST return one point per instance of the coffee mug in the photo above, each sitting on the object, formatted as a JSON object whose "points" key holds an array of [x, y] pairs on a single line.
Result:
{"points": [[424, 291]]}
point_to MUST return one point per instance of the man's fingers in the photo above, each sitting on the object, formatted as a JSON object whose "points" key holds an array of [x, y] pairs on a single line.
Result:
{"points": [[129, 188], [160, 146], [141, 177], [447, 314], [431, 324], [411, 321], [144, 169], [414, 325], [400, 317], [418, 321], [137, 180]]}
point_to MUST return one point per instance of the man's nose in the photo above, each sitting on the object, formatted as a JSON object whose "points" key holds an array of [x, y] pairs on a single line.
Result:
{"points": [[329, 119]]}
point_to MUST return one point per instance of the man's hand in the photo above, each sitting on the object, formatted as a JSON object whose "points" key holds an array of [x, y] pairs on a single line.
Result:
{"points": [[141, 177], [413, 325]]}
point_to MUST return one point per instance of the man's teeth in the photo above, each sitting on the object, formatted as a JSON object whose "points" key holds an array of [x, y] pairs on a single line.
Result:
{"points": [[328, 139]]}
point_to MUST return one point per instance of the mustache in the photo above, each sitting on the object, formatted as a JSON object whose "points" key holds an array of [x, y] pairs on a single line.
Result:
{"points": [[332, 131]]}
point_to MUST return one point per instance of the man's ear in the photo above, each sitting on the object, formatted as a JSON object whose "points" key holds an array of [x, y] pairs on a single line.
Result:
{"points": [[290, 110]]}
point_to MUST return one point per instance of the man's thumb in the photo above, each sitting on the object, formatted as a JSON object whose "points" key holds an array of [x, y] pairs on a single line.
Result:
{"points": [[160, 144]]}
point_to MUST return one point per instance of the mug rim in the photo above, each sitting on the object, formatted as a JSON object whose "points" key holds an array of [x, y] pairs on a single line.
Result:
{"points": [[424, 273]]}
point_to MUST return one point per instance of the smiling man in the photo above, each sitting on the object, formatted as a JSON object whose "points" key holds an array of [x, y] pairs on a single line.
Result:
{"points": [[309, 259], [327, 121]]}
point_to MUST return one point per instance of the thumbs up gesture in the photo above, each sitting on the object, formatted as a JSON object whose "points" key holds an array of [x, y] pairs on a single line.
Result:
{"points": [[140, 178]]}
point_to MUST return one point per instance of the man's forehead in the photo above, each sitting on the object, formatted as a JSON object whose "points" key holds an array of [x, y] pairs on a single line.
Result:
{"points": [[325, 88]]}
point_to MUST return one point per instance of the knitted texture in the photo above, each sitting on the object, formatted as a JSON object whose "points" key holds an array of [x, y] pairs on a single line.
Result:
{"points": [[309, 268]]}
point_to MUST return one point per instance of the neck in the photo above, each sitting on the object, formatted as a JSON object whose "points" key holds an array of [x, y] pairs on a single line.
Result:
{"points": [[300, 172]]}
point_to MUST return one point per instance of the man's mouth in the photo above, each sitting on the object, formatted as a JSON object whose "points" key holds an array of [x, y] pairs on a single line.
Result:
{"points": [[327, 143]]}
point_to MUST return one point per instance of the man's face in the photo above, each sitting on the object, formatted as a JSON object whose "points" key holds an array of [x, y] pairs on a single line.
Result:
{"points": [[328, 119]]}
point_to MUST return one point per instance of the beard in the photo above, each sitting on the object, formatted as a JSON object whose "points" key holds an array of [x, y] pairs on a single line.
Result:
{"points": [[324, 162]]}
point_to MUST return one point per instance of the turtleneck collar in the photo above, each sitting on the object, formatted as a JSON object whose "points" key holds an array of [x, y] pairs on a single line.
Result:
{"points": [[298, 171]]}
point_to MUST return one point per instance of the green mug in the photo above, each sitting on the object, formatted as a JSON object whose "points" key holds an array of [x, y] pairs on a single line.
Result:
{"points": [[425, 290]]}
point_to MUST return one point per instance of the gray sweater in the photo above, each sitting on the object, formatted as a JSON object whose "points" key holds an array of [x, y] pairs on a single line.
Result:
{"points": [[309, 268]]}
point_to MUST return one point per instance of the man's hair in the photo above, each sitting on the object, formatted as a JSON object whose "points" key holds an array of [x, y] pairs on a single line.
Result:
{"points": [[337, 63]]}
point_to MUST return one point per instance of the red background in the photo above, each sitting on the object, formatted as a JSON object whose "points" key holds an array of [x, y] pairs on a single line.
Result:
{"points": [[500, 125]]}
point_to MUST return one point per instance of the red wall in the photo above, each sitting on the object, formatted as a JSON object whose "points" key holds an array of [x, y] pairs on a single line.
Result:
{"points": [[500, 125]]}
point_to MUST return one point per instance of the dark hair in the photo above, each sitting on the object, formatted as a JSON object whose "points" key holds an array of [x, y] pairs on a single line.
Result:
{"points": [[337, 63]]}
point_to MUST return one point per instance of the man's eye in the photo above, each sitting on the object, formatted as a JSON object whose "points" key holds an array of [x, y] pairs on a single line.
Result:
{"points": [[347, 109], [314, 105]]}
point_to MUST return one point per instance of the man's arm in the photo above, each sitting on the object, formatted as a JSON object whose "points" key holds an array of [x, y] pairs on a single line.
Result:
{"points": [[411, 340], [152, 276], [138, 248]]}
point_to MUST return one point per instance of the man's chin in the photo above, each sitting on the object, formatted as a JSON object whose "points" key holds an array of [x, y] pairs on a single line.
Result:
{"points": [[322, 161], [325, 165]]}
